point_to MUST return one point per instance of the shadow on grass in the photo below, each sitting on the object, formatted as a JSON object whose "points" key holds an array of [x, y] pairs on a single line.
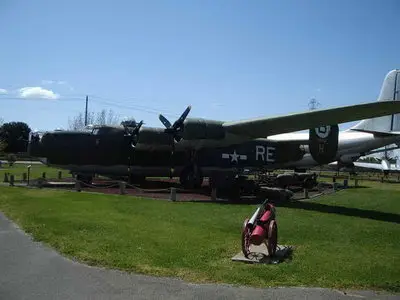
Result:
{"points": [[358, 187], [341, 210], [283, 254], [251, 201]]}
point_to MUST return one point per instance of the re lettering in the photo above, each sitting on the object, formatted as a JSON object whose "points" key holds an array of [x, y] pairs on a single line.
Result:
{"points": [[265, 153]]}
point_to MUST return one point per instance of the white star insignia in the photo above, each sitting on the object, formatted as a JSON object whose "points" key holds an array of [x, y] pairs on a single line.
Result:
{"points": [[234, 156]]}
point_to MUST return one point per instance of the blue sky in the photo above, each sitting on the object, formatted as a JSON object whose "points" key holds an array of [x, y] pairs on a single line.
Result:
{"points": [[229, 59]]}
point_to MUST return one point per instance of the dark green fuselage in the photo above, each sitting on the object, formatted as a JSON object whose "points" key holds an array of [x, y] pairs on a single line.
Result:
{"points": [[108, 151]]}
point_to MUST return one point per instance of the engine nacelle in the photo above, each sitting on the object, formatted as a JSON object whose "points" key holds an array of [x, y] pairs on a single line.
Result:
{"points": [[200, 129], [323, 143], [348, 159], [153, 136]]}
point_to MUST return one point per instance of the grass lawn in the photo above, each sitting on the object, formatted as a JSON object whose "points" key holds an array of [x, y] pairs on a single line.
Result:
{"points": [[36, 171], [350, 239]]}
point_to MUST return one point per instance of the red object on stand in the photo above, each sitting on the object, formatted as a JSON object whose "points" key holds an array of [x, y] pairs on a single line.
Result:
{"points": [[261, 229], [260, 232]]}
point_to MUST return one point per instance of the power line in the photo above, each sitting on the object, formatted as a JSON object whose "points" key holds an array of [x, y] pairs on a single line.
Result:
{"points": [[106, 101], [143, 108]]}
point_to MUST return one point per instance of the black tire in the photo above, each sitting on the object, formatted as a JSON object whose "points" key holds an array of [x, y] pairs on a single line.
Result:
{"points": [[189, 179], [308, 183], [87, 179], [246, 239], [272, 242]]}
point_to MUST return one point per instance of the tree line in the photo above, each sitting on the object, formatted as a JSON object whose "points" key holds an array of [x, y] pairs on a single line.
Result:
{"points": [[103, 117]]}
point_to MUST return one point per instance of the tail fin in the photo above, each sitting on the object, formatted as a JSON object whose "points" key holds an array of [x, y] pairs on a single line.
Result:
{"points": [[390, 91]]}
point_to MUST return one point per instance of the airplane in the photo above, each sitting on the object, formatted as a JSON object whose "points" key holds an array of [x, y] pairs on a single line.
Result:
{"points": [[194, 148], [360, 140], [385, 166]]}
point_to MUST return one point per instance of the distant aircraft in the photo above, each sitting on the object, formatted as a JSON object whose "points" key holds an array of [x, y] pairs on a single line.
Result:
{"points": [[385, 166], [194, 148], [361, 139]]}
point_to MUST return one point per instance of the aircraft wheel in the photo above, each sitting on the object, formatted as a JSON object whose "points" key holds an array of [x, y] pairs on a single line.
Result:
{"points": [[272, 241], [309, 183], [84, 178], [246, 232], [136, 179], [191, 179]]}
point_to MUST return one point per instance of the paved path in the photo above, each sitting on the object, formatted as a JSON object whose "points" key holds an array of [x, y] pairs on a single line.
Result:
{"points": [[28, 270]]}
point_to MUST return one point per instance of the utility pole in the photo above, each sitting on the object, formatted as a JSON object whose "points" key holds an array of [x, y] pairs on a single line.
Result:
{"points": [[313, 104], [86, 112]]}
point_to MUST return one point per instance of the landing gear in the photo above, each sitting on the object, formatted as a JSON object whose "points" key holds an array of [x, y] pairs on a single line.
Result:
{"points": [[191, 177], [88, 179], [136, 179]]}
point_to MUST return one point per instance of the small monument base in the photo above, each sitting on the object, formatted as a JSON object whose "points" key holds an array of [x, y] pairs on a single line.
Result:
{"points": [[259, 255]]}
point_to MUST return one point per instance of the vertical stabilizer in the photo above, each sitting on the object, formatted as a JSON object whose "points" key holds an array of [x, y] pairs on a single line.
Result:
{"points": [[390, 91]]}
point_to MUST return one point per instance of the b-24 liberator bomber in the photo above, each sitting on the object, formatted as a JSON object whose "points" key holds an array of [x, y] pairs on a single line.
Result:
{"points": [[194, 148]]}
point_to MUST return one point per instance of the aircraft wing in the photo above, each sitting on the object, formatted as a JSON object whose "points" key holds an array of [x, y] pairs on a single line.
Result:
{"points": [[263, 127], [375, 166], [383, 166]]}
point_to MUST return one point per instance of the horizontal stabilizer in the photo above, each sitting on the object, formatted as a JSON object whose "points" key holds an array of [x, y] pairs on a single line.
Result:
{"points": [[382, 150]]}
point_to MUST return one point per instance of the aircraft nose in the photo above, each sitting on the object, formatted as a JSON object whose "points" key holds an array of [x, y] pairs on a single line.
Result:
{"points": [[35, 144]]}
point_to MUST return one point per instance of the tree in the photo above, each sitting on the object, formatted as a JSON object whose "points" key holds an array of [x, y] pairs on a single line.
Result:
{"points": [[101, 118], [15, 136], [389, 155], [78, 122], [3, 144], [107, 119], [370, 159]]}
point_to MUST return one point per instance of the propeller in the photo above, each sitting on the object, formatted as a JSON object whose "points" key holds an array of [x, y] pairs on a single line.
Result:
{"points": [[132, 130], [177, 127], [174, 130]]}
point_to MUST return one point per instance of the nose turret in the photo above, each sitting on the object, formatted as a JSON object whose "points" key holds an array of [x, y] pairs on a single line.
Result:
{"points": [[35, 144]]}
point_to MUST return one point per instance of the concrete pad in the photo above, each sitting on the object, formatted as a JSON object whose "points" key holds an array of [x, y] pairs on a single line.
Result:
{"points": [[259, 255], [60, 183]]}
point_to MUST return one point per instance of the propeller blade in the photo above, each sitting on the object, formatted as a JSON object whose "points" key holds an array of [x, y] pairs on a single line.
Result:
{"points": [[137, 128], [182, 118], [165, 121], [133, 133]]}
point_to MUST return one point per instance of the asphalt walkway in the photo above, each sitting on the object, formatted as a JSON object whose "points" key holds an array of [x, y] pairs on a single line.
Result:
{"points": [[29, 270]]}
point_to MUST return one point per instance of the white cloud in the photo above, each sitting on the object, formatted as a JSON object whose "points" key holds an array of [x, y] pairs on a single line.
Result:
{"points": [[37, 92], [3, 91]]}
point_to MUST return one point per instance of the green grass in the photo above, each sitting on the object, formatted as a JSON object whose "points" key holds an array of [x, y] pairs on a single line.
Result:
{"points": [[36, 171], [346, 240]]}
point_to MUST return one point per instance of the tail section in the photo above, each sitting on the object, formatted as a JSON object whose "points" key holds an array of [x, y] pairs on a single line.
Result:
{"points": [[390, 91]]}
